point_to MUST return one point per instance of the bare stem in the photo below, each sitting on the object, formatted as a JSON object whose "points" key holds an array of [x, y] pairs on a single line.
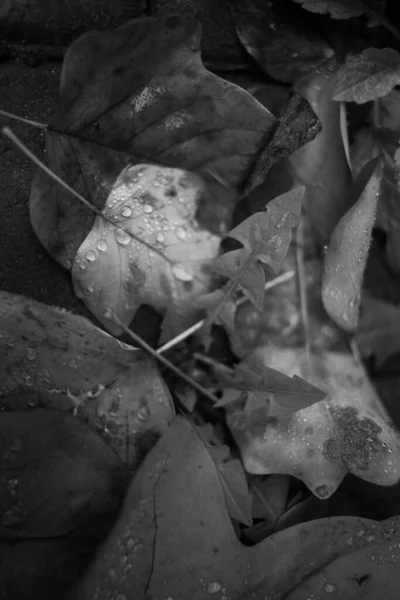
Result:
{"points": [[5, 113]]}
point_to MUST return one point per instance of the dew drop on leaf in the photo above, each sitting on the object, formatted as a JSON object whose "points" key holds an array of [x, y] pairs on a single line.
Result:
{"points": [[181, 273], [122, 237], [147, 208], [101, 245], [214, 587], [181, 233], [126, 211], [143, 414], [90, 256], [330, 588]]}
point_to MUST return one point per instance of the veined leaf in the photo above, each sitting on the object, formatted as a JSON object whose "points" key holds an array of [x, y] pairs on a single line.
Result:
{"points": [[367, 76]]}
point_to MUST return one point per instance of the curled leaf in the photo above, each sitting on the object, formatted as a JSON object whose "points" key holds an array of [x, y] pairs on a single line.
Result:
{"points": [[347, 252]]}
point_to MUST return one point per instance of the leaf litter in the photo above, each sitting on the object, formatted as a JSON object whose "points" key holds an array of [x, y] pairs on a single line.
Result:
{"points": [[188, 509]]}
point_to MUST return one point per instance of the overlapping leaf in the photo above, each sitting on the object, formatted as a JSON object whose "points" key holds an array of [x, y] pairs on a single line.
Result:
{"points": [[348, 432], [163, 546], [161, 262], [140, 94], [337, 9], [347, 252], [367, 76], [265, 237]]}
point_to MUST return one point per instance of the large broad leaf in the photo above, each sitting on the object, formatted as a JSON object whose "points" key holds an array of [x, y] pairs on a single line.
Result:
{"points": [[277, 35], [348, 432], [367, 76], [141, 94], [321, 165], [55, 473], [174, 539], [337, 9], [162, 263], [347, 252], [54, 359]]}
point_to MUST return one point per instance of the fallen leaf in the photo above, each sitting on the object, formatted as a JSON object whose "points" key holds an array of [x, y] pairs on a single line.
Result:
{"points": [[321, 165], [138, 94], [157, 259], [279, 38], [378, 331], [348, 432], [337, 9], [174, 538], [55, 474], [367, 76], [347, 252]]}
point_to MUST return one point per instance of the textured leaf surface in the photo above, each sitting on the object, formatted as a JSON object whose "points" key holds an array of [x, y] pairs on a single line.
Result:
{"points": [[138, 94], [347, 252], [163, 546], [55, 472], [348, 432], [337, 9], [161, 263], [367, 76]]}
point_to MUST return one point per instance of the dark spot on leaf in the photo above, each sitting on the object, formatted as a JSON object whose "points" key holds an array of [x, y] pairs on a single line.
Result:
{"points": [[362, 579], [309, 430], [171, 192], [330, 449]]}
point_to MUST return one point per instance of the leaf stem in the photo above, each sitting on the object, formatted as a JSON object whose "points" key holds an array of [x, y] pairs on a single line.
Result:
{"points": [[109, 314], [302, 286], [374, 14], [191, 330], [5, 113]]}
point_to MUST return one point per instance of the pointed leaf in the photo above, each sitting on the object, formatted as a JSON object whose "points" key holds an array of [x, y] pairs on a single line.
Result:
{"points": [[367, 76], [161, 263], [348, 248], [138, 94]]}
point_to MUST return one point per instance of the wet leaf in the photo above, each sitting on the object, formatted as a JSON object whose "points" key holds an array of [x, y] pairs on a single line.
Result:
{"points": [[348, 432], [321, 165], [367, 76], [265, 237], [277, 35], [162, 263], [337, 9], [163, 546], [378, 331], [347, 252], [139, 94], [55, 474]]}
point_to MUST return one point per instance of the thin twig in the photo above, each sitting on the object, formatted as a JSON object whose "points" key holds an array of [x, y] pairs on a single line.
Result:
{"points": [[9, 115], [345, 133], [191, 330], [302, 285], [109, 314]]}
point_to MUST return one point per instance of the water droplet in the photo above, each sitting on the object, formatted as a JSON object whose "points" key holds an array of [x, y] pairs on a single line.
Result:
{"points": [[214, 587], [156, 183], [142, 414], [73, 363], [90, 256], [126, 211], [101, 245], [181, 274], [30, 353], [122, 237], [90, 289], [181, 233], [160, 237], [147, 208], [370, 538], [330, 588]]}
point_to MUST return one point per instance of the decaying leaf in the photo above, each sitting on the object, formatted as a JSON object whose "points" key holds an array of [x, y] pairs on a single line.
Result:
{"points": [[347, 252], [278, 37], [378, 332], [174, 539], [55, 473], [134, 95], [321, 165], [348, 432], [161, 263], [367, 76]]}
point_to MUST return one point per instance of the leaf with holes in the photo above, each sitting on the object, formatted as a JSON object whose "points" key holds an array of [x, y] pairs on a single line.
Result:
{"points": [[158, 257], [140, 94], [367, 76], [347, 252]]}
